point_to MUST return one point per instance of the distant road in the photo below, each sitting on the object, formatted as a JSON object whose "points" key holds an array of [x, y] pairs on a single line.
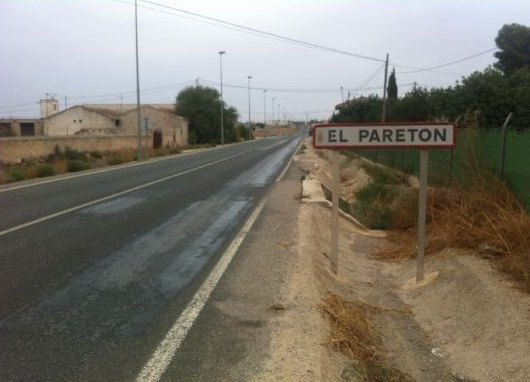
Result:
{"points": [[96, 267]]}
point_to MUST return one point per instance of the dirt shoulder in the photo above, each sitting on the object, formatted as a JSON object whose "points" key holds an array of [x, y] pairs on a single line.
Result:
{"points": [[470, 323]]}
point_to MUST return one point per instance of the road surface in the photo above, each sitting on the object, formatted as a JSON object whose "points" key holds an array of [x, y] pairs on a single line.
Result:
{"points": [[96, 268]]}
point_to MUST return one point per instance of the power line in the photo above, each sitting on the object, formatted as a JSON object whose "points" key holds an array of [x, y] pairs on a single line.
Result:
{"points": [[254, 31], [447, 63]]}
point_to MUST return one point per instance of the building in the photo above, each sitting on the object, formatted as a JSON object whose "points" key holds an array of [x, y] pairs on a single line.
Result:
{"points": [[157, 120], [20, 127]]}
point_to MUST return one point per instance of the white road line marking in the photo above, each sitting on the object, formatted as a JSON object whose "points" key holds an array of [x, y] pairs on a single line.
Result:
{"points": [[81, 206], [164, 353]]}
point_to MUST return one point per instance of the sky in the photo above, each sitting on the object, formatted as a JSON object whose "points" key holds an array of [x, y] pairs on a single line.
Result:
{"points": [[309, 55]]}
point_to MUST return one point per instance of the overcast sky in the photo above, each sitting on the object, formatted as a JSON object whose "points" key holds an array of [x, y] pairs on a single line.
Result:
{"points": [[84, 50]]}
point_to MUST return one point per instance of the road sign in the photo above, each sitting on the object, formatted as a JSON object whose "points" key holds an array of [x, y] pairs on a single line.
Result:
{"points": [[387, 135], [421, 136]]}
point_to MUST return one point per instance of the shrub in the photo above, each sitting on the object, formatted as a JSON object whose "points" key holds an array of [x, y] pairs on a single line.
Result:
{"points": [[45, 170], [73, 154], [77, 165], [96, 154], [16, 175]]}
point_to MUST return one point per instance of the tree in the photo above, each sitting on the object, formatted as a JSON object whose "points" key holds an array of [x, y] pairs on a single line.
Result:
{"points": [[360, 110], [513, 41], [202, 105], [414, 107], [392, 88]]}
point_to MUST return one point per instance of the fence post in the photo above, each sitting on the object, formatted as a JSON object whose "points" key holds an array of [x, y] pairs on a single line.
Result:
{"points": [[503, 143]]}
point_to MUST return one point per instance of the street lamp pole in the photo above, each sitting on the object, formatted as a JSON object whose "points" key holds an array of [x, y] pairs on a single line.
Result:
{"points": [[222, 102], [264, 108], [249, 126], [273, 100], [138, 112]]}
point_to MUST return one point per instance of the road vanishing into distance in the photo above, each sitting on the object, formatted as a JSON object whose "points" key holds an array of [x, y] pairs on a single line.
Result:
{"points": [[97, 267]]}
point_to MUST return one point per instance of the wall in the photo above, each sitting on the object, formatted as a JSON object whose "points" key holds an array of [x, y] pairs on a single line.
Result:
{"points": [[274, 132], [70, 121], [174, 128], [13, 150], [13, 125]]}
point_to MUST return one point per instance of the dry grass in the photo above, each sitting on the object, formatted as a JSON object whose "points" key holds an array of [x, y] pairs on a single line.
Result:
{"points": [[353, 335], [484, 214]]}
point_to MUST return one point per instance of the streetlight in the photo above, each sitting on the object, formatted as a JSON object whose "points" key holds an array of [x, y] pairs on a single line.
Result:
{"points": [[221, 52], [249, 126], [264, 107], [273, 99], [138, 111]]}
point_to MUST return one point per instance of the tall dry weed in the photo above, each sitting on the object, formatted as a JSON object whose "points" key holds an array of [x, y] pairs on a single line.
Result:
{"points": [[481, 216], [354, 335]]}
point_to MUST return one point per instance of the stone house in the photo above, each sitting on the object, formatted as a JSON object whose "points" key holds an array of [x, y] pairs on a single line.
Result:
{"points": [[158, 121]]}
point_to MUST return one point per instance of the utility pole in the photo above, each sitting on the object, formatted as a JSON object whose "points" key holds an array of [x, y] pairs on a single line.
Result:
{"points": [[65, 103], [138, 113], [384, 90]]}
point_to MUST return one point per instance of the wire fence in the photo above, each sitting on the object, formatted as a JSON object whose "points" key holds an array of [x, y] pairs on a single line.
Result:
{"points": [[506, 153]]}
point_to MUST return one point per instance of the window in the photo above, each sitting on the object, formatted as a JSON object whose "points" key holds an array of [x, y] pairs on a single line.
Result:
{"points": [[117, 122]]}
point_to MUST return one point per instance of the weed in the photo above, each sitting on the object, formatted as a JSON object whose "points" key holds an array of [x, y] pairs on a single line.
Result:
{"points": [[73, 154], [383, 175], [44, 170], [373, 205], [482, 213], [353, 335], [120, 156], [77, 165], [96, 154], [16, 175]]}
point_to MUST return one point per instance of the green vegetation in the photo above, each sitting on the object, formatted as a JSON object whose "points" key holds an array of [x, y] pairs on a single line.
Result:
{"points": [[44, 170], [202, 105], [385, 202], [77, 165], [482, 99], [480, 103], [66, 159]]}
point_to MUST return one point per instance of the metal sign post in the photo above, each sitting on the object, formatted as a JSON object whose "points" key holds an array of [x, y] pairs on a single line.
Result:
{"points": [[422, 212], [334, 256], [422, 136]]}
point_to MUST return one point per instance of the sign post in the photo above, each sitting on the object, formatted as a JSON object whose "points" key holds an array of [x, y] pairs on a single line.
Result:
{"points": [[422, 136], [334, 255]]}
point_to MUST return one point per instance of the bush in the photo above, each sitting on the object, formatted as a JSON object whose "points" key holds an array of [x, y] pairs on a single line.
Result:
{"points": [[45, 170], [373, 205], [73, 154], [96, 154], [17, 175], [77, 165], [385, 202]]}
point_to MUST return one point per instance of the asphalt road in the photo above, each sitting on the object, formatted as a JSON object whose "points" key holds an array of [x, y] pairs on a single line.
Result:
{"points": [[95, 268]]}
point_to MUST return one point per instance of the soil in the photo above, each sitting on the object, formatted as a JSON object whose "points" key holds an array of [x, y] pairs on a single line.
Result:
{"points": [[468, 323]]}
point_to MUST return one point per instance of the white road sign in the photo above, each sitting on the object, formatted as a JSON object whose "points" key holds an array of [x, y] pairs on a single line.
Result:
{"points": [[389, 135]]}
